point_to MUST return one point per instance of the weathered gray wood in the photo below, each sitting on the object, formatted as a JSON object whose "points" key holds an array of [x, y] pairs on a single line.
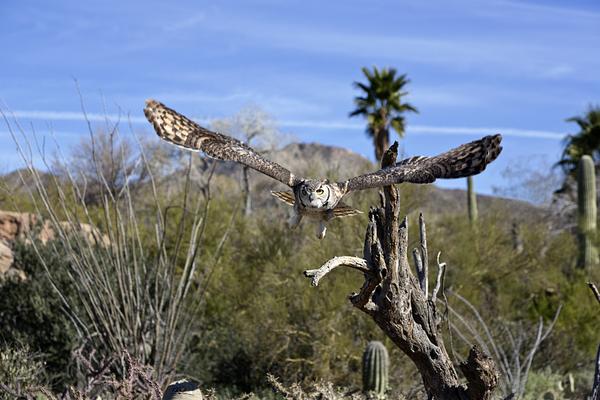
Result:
{"points": [[400, 304]]}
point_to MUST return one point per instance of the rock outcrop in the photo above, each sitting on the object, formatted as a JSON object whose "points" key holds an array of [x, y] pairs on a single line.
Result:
{"points": [[26, 226]]}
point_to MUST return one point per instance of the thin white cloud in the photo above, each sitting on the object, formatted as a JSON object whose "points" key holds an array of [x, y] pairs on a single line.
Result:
{"points": [[195, 97], [317, 124], [478, 131], [56, 133], [433, 130], [74, 116]]}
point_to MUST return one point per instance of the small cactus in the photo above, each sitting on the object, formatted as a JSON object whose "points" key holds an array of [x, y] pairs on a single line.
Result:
{"points": [[586, 212], [471, 200], [375, 368]]}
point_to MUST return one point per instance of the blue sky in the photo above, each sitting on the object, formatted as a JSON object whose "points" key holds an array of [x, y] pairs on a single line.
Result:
{"points": [[476, 67]]}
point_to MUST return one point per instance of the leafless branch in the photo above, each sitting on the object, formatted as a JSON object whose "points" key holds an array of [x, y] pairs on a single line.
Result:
{"points": [[439, 285], [345, 261], [423, 276], [508, 348]]}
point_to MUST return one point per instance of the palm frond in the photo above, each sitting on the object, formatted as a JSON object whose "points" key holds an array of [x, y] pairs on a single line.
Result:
{"points": [[381, 102]]}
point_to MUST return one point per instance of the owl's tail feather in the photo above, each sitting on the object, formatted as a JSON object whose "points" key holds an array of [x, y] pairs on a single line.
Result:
{"points": [[286, 197]]}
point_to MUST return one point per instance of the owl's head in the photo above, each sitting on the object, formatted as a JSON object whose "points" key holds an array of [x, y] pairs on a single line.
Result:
{"points": [[315, 194]]}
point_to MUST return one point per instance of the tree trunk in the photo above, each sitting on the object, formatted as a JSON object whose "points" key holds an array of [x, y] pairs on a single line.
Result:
{"points": [[381, 140], [401, 305], [246, 191]]}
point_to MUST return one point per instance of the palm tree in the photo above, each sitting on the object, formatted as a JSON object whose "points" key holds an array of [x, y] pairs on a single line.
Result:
{"points": [[586, 141], [381, 104]]}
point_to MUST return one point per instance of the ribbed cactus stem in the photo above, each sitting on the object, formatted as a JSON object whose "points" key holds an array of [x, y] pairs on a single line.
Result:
{"points": [[471, 200], [375, 368], [586, 212]]}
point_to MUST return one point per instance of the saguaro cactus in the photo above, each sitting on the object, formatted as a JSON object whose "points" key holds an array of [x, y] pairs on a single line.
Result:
{"points": [[471, 200], [586, 212], [375, 368]]}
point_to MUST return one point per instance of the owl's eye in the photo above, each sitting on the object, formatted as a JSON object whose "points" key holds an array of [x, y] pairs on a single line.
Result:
{"points": [[319, 191]]}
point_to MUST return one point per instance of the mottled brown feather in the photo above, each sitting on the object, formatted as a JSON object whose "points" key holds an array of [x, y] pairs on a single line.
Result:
{"points": [[181, 131], [466, 160]]}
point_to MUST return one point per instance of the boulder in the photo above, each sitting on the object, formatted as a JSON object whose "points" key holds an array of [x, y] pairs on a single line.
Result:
{"points": [[183, 390], [24, 226], [6, 257]]}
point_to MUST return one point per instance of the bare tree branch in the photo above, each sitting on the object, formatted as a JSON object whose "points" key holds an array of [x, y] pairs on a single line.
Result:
{"points": [[424, 255], [508, 348], [345, 261], [439, 285]]}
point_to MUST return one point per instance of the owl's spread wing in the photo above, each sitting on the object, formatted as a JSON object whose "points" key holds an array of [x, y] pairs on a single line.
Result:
{"points": [[466, 160], [181, 131]]}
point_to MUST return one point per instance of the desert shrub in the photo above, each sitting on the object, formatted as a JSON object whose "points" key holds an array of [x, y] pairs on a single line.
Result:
{"points": [[20, 369], [31, 316]]}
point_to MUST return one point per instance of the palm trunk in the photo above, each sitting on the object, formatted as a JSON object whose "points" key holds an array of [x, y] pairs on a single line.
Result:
{"points": [[382, 142]]}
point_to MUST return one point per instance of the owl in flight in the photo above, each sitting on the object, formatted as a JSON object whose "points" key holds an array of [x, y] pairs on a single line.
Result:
{"points": [[320, 199]]}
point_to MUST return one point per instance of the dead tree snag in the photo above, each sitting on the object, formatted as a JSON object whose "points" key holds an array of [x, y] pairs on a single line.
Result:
{"points": [[401, 305]]}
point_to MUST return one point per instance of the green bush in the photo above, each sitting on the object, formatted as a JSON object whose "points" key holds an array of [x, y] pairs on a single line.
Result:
{"points": [[31, 315], [20, 370]]}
